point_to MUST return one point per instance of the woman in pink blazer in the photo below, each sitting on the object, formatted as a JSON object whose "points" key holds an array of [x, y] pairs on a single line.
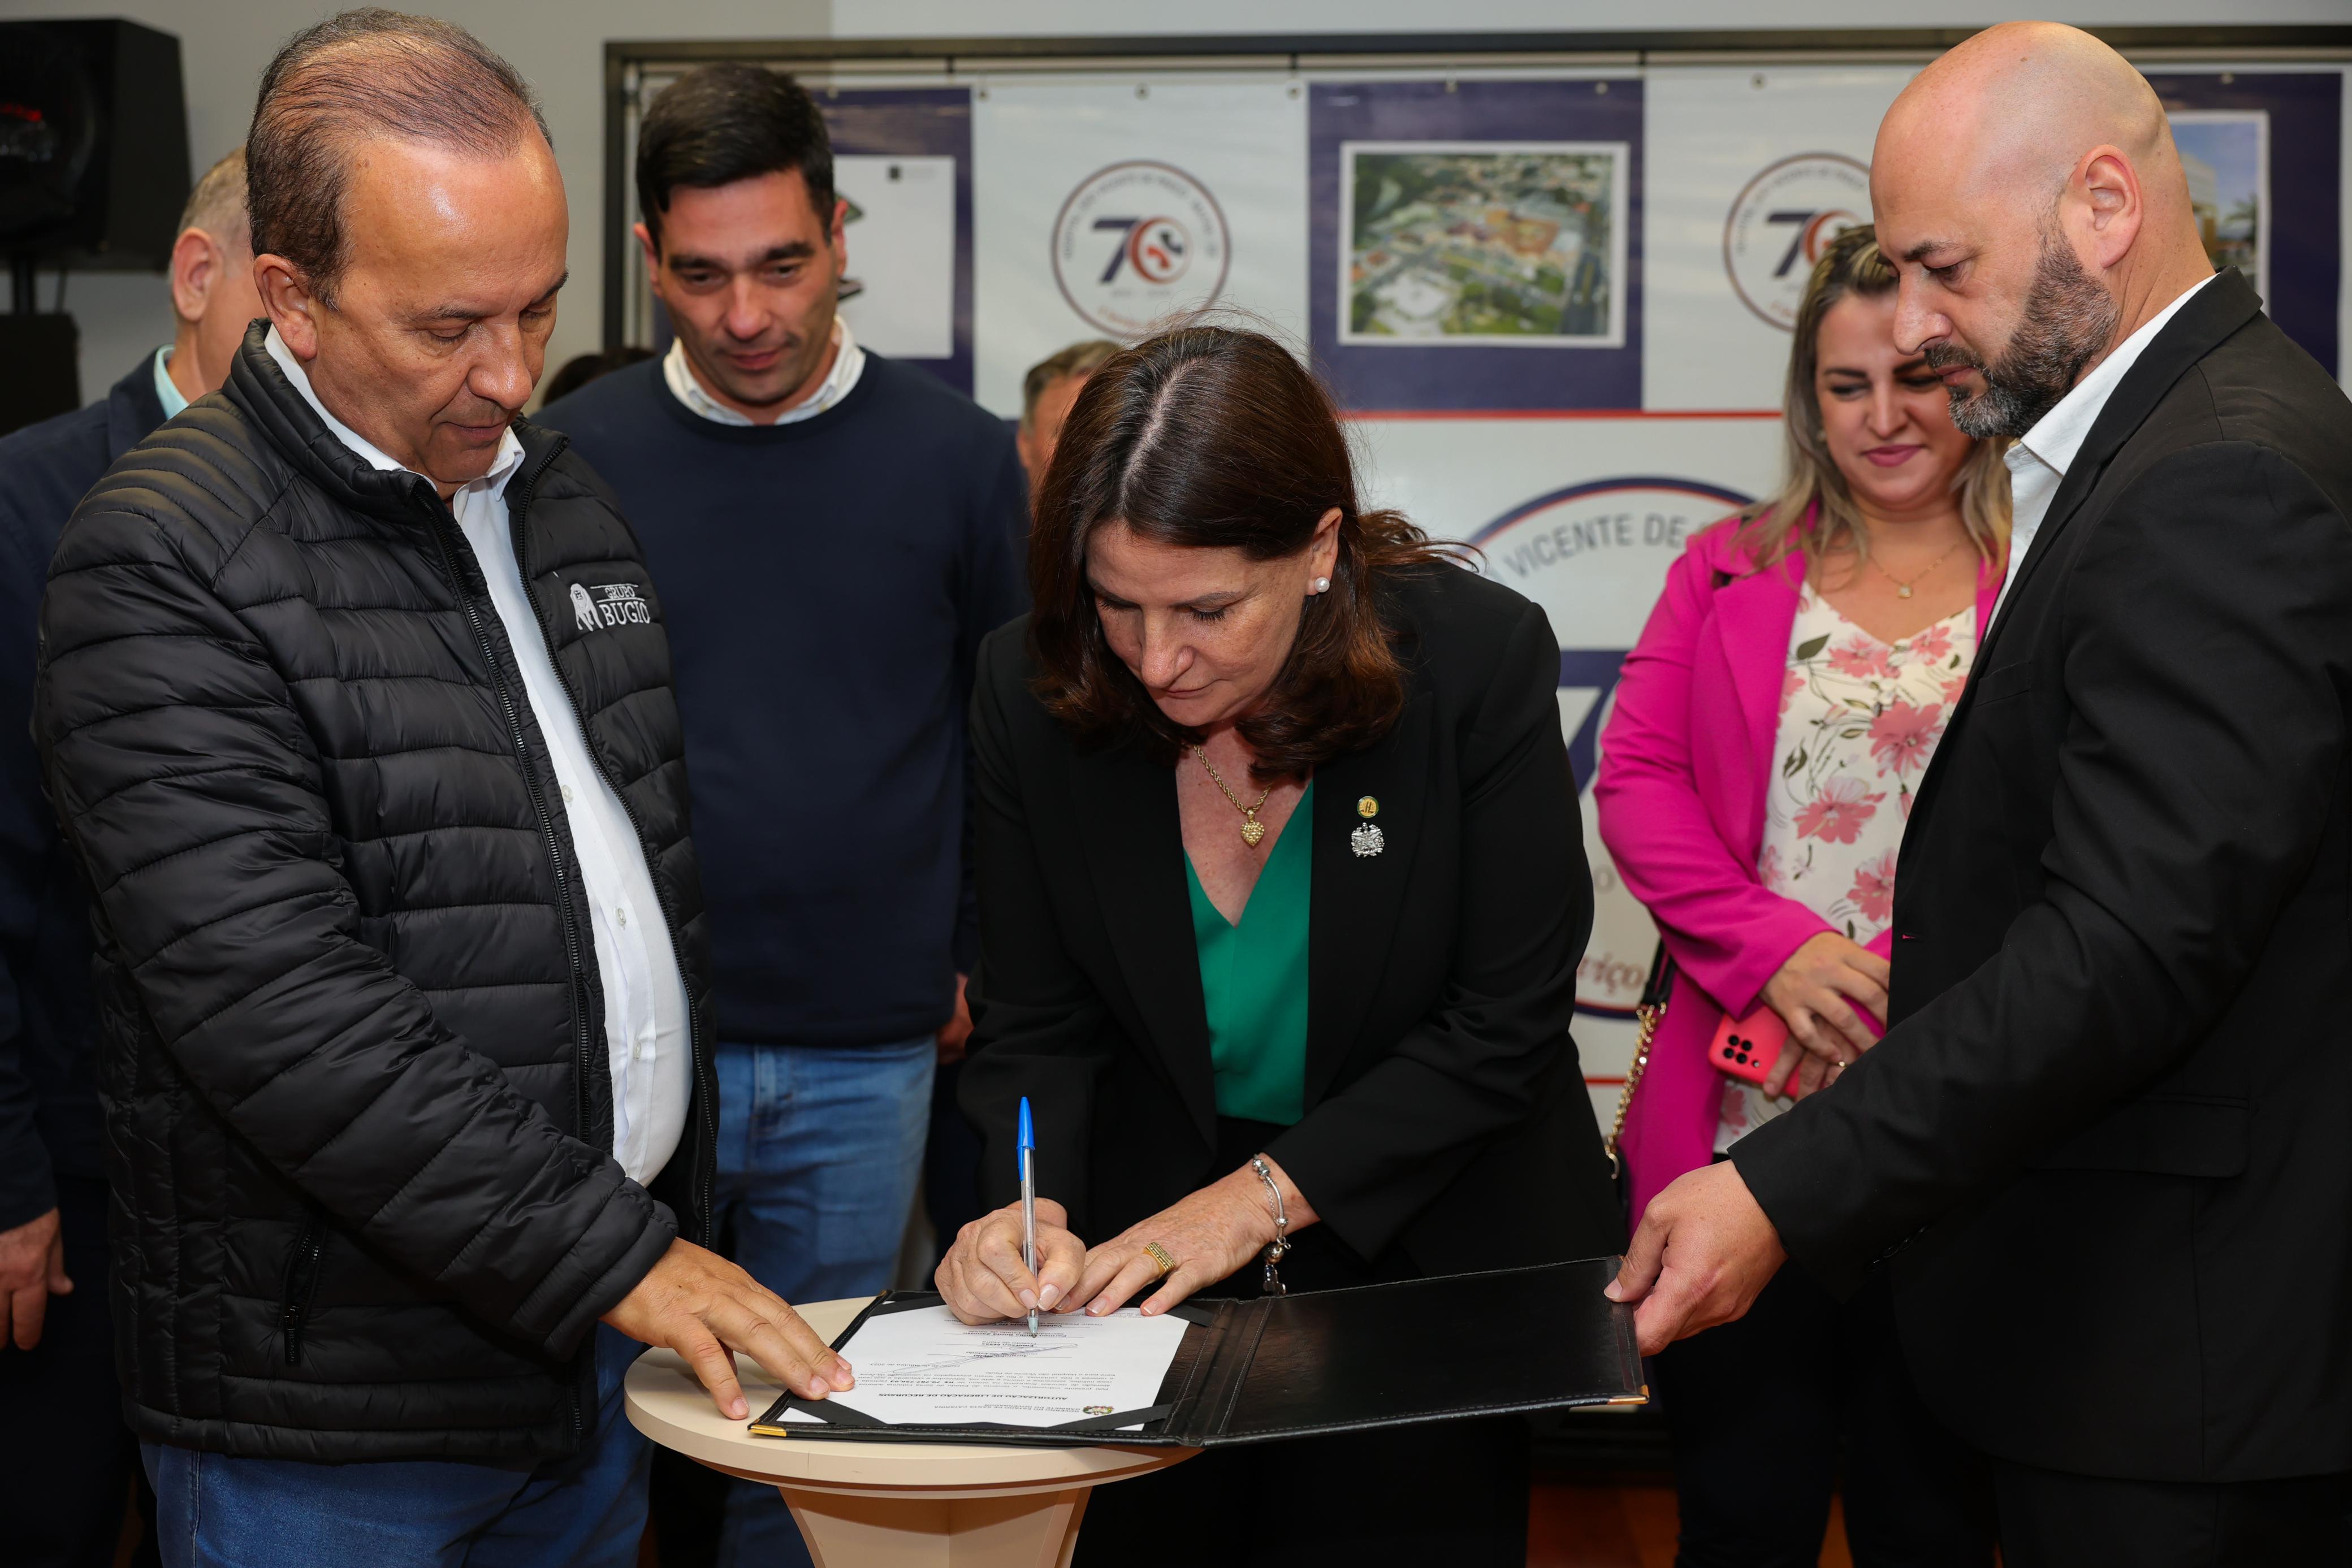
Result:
{"points": [[1770, 730]]}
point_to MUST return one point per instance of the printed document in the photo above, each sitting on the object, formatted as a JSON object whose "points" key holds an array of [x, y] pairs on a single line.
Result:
{"points": [[923, 1367]]}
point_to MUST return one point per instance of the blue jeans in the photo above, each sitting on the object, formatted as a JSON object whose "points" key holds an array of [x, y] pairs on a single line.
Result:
{"points": [[589, 1510], [820, 1148]]}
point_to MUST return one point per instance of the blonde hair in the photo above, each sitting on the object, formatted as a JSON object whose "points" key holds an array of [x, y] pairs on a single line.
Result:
{"points": [[1813, 511]]}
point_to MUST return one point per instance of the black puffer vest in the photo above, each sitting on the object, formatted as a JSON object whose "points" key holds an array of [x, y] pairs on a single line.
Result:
{"points": [[359, 1115]]}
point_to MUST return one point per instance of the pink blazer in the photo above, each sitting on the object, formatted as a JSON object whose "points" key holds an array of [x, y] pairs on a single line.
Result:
{"points": [[1683, 766]]}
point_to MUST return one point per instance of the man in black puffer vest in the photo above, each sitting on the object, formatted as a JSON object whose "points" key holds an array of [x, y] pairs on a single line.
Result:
{"points": [[354, 703]]}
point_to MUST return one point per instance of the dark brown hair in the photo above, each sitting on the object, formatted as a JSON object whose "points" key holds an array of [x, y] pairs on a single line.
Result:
{"points": [[726, 121], [1215, 438], [360, 77]]}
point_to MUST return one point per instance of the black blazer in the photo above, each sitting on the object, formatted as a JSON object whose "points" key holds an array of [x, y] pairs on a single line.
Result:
{"points": [[2113, 1102], [49, 1087], [1446, 1114]]}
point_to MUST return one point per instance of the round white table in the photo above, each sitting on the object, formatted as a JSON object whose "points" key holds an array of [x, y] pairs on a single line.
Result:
{"points": [[881, 1505]]}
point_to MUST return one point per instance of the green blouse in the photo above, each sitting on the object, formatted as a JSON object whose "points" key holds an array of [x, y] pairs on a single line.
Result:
{"points": [[1254, 980]]}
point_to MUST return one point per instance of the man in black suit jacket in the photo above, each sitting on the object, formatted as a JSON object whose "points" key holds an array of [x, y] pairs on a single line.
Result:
{"points": [[2102, 1145], [65, 1454]]}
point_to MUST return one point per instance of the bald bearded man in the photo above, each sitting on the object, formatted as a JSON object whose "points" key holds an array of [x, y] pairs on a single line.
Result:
{"points": [[2100, 1146]]}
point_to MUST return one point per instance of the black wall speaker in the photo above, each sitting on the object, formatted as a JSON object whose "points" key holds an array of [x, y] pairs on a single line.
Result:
{"points": [[93, 144]]}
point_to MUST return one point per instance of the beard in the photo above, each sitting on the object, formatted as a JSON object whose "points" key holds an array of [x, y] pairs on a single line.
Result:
{"points": [[2069, 318]]}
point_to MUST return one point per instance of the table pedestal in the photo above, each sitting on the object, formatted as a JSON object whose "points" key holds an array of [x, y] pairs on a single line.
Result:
{"points": [[904, 1529]]}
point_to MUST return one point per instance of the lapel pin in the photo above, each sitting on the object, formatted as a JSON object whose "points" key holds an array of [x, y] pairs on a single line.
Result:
{"points": [[1368, 839]]}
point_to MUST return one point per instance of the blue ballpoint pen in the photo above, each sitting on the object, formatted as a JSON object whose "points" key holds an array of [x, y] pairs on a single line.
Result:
{"points": [[1028, 1142]]}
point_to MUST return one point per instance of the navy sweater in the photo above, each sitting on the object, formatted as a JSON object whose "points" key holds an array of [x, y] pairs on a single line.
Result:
{"points": [[48, 1094], [825, 584]]}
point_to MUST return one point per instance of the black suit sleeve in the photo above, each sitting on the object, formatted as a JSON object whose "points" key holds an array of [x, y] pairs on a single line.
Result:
{"points": [[28, 836], [1038, 1023], [993, 594], [191, 792], [1372, 1156], [2206, 667]]}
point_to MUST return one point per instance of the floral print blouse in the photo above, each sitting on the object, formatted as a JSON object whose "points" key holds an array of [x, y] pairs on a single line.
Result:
{"points": [[1859, 721]]}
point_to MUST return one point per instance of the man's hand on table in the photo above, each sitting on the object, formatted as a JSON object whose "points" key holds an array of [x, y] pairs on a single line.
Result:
{"points": [[1704, 1252], [32, 1269], [701, 1306]]}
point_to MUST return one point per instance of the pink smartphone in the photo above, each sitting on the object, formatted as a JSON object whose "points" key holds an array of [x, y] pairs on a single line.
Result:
{"points": [[1749, 1048]]}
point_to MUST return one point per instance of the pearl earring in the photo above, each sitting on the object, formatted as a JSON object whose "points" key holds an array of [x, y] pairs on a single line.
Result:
{"points": [[1321, 585]]}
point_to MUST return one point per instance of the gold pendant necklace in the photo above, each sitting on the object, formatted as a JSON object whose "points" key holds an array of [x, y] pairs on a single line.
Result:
{"points": [[1252, 829], [1903, 589]]}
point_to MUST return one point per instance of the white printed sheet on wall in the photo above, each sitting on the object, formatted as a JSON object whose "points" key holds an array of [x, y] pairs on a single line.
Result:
{"points": [[901, 234]]}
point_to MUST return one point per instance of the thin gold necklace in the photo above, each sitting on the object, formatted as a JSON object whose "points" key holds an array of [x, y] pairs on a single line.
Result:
{"points": [[1903, 589], [1252, 829]]}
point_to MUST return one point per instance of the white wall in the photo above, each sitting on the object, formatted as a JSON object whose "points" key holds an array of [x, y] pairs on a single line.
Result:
{"points": [[558, 44], [1047, 18]]}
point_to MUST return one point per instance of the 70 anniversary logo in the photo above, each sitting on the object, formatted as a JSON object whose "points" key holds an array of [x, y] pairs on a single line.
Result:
{"points": [[1137, 241]]}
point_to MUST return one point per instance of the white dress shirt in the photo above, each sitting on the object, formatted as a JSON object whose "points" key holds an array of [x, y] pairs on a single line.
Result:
{"points": [[848, 364], [644, 996], [2040, 459]]}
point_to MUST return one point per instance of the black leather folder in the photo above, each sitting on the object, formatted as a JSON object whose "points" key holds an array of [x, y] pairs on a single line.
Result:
{"points": [[1330, 1360]]}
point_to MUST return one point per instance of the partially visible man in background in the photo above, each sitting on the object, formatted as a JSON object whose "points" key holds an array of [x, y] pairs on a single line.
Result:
{"points": [[832, 533], [66, 1456], [1046, 393]]}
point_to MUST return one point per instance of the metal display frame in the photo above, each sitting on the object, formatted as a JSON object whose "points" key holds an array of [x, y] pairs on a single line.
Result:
{"points": [[947, 60]]}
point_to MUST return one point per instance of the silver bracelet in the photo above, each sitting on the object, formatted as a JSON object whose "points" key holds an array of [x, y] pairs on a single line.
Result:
{"points": [[1281, 1244]]}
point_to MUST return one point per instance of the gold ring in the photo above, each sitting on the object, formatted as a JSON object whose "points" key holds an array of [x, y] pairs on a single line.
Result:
{"points": [[1159, 1254]]}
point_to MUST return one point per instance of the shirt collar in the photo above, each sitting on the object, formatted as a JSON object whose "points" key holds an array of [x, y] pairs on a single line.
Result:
{"points": [[167, 391], [2057, 436], [848, 364], [502, 467]]}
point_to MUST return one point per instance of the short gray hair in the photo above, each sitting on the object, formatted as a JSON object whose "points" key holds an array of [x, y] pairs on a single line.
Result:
{"points": [[1080, 358], [217, 204], [363, 76]]}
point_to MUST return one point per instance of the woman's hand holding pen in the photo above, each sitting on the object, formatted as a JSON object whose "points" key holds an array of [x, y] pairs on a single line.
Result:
{"points": [[1815, 993], [983, 1279], [1207, 1235]]}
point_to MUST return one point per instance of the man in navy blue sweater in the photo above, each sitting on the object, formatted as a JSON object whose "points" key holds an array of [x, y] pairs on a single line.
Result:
{"points": [[66, 1457], [831, 533]]}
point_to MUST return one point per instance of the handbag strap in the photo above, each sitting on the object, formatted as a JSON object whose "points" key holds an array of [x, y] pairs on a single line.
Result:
{"points": [[1651, 1010]]}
